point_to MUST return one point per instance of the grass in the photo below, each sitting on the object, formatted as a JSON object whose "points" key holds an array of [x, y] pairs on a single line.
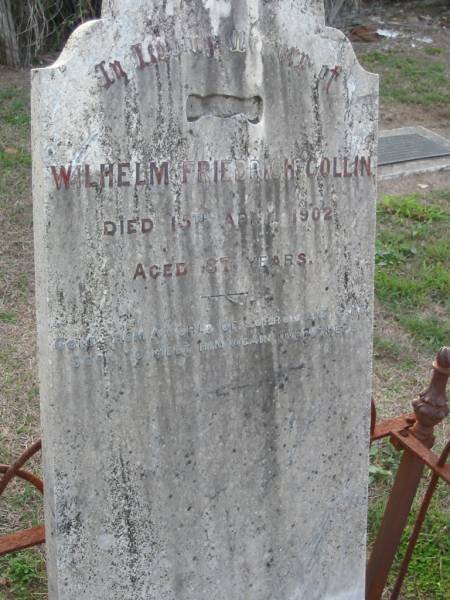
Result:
{"points": [[14, 108], [7, 317], [23, 576], [412, 280], [412, 285], [9, 160], [433, 51], [434, 332], [411, 207], [412, 76]]}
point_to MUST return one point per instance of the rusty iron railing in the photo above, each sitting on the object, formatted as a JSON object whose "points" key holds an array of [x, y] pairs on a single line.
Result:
{"points": [[414, 435], [410, 433], [28, 537]]}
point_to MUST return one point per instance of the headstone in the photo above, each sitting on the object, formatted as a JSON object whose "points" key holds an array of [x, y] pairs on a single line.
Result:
{"points": [[204, 191]]}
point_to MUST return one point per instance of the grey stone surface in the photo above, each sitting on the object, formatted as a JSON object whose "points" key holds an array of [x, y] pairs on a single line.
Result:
{"points": [[204, 193], [416, 165]]}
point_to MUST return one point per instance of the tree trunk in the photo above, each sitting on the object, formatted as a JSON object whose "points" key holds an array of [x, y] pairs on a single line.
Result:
{"points": [[9, 44], [334, 8]]}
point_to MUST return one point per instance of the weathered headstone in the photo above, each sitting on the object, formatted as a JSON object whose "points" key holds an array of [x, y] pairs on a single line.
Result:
{"points": [[204, 189]]}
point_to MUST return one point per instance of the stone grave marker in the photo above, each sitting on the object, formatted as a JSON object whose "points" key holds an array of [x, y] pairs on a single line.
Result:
{"points": [[204, 195]]}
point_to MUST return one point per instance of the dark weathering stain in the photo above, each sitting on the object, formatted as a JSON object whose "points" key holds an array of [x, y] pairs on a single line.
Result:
{"points": [[346, 278], [128, 517], [224, 106], [69, 522], [125, 512]]}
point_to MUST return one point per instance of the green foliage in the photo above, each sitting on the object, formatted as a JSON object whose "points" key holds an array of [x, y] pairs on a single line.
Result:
{"points": [[412, 77], [433, 51], [41, 25], [432, 331], [8, 93], [21, 284], [71, 15], [9, 161], [395, 290], [387, 348], [393, 255], [376, 58], [442, 195], [413, 287], [384, 461], [391, 350], [439, 251], [7, 317], [412, 278], [411, 207], [13, 108], [22, 571]]}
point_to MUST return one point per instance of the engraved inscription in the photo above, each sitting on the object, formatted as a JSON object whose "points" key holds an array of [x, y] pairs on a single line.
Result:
{"points": [[158, 49], [153, 173]]}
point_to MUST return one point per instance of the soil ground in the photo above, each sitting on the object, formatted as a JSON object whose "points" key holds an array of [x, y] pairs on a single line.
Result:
{"points": [[408, 250]]}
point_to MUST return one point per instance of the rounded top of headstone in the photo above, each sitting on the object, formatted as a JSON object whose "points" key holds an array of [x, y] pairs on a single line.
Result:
{"points": [[293, 8], [280, 18]]}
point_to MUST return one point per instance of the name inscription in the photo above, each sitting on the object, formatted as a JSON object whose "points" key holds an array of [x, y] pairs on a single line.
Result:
{"points": [[151, 173]]}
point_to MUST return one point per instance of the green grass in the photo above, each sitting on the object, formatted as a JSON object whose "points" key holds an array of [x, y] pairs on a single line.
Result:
{"points": [[412, 207], [15, 158], [393, 351], [388, 348], [433, 51], [7, 317], [413, 252], [8, 93], [412, 284], [14, 108], [432, 331], [9, 161], [412, 278], [23, 572], [411, 77], [384, 461]]}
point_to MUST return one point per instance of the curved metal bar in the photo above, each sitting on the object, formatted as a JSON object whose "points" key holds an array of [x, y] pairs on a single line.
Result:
{"points": [[15, 467], [27, 476], [27, 537], [21, 540]]}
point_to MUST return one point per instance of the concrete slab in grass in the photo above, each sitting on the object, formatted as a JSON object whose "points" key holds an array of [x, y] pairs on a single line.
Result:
{"points": [[411, 150]]}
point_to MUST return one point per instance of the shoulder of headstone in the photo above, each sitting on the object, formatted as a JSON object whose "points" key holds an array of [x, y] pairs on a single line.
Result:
{"points": [[339, 36], [81, 41]]}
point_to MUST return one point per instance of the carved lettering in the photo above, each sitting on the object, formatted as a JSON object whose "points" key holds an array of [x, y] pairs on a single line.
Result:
{"points": [[204, 172], [100, 68]]}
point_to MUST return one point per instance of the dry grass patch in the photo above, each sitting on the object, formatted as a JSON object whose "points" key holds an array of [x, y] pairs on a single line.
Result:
{"points": [[22, 575]]}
